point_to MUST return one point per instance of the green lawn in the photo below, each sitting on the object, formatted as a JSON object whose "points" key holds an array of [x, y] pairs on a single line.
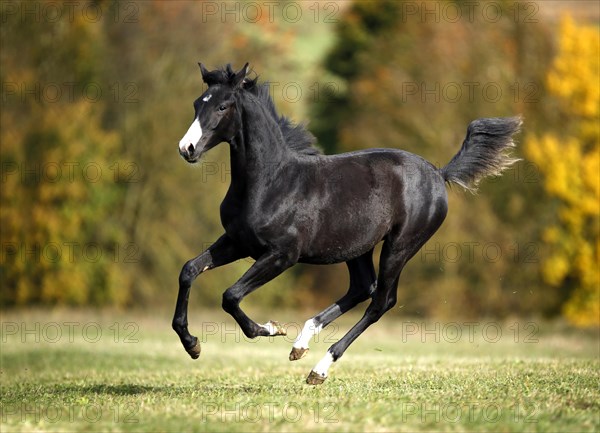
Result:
{"points": [[107, 371]]}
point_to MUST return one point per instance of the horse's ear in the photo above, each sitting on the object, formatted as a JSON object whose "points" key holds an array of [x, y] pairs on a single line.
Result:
{"points": [[240, 75], [204, 71]]}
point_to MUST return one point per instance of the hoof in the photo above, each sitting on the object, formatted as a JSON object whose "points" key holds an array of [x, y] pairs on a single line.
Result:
{"points": [[298, 353], [315, 378], [275, 328], [195, 351]]}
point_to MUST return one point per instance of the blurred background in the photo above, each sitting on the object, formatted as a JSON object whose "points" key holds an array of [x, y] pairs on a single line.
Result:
{"points": [[99, 210]]}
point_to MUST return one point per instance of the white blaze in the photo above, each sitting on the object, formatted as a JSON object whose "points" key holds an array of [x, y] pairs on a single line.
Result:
{"points": [[192, 136]]}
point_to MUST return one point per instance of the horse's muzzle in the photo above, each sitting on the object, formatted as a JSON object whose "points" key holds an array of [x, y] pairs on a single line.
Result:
{"points": [[190, 156]]}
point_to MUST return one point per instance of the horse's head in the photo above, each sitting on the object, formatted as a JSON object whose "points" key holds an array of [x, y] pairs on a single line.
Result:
{"points": [[216, 115]]}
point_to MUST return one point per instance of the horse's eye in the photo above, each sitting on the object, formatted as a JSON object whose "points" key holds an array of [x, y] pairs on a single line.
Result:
{"points": [[222, 107]]}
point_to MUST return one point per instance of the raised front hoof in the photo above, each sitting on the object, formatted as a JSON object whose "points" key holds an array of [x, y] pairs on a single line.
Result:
{"points": [[275, 328], [298, 353], [194, 352], [315, 378]]}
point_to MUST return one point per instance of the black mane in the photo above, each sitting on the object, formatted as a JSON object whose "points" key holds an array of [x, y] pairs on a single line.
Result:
{"points": [[296, 136]]}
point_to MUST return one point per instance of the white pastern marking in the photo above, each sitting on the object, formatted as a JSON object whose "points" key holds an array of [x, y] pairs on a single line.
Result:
{"points": [[324, 364], [308, 331], [270, 327], [207, 98], [192, 136]]}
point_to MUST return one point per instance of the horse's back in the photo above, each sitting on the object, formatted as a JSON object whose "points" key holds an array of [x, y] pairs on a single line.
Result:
{"points": [[399, 175]]}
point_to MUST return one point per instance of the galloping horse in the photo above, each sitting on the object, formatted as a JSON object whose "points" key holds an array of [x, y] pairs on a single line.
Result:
{"points": [[289, 203]]}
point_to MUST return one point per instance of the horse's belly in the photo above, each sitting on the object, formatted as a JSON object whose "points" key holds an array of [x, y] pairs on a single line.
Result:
{"points": [[344, 240]]}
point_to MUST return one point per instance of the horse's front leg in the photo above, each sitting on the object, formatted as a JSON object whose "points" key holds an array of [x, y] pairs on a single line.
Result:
{"points": [[222, 252], [267, 267]]}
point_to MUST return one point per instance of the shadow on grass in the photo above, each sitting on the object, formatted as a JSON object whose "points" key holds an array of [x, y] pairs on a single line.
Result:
{"points": [[116, 390], [126, 389]]}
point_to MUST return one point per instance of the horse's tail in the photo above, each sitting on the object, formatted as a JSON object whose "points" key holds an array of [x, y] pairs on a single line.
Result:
{"points": [[483, 152]]}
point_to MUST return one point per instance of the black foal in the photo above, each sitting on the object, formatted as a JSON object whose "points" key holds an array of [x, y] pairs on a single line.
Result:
{"points": [[288, 203]]}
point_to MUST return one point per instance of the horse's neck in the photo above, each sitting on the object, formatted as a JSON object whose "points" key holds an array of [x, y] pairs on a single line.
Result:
{"points": [[258, 151]]}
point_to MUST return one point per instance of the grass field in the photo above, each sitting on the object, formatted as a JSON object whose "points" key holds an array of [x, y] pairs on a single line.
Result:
{"points": [[107, 371]]}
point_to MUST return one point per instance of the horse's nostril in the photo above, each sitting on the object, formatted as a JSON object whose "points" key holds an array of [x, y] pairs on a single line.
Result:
{"points": [[191, 148]]}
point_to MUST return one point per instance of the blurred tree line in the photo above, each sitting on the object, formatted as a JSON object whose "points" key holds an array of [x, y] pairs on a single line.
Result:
{"points": [[97, 207], [569, 158]]}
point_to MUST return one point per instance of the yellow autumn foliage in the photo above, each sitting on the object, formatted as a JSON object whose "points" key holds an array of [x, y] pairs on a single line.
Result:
{"points": [[574, 76], [569, 159], [51, 217]]}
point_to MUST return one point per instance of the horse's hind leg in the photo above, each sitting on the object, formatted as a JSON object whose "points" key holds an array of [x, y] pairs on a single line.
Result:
{"points": [[391, 263], [398, 249], [363, 282]]}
